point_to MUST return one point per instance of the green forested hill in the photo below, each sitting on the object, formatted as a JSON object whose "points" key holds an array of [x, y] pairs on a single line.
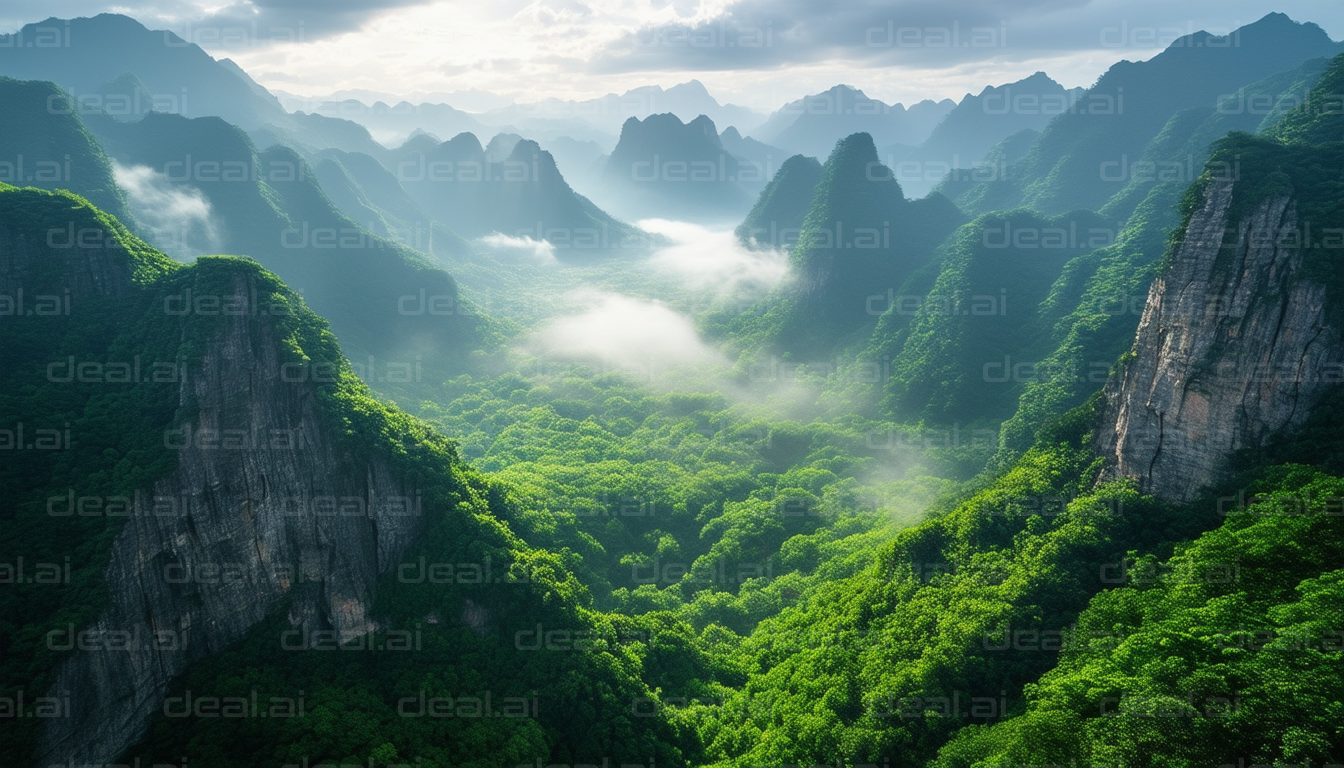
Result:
{"points": [[1108, 128], [861, 238], [382, 297], [964, 350], [45, 144], [776, 220]]}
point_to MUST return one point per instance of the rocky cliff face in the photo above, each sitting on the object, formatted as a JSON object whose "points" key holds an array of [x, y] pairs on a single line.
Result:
{"points": [[262, 508], [1233, 345]]}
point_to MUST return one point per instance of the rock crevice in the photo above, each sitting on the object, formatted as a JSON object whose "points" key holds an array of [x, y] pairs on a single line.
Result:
{"points": [[1234, 345]]}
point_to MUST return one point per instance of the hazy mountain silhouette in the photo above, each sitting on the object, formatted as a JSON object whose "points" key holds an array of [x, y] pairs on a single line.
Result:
{"points": [[975, 126], [394, 123], [609, 113], [664, 167], [83, 54], [1083, 157], [268, 205], [813, 124], [521, 195], [44, 143]]}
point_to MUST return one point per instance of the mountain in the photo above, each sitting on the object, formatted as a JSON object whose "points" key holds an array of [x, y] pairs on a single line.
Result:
{"points": [[1101, 295], [1078, 154], [369, 194], [776, 220], [267, 204], [243, 502], [1214, 522], [1265, 329], [522, 195], [393, 123], [978, 122], [935, 370], [962, 351], [311, 133], [1226, 405], [114, 66], [687, 100], [861, 238], [813, 124], [47, 145], [759, 154], [83, 54], [663, 167], [609, 113]]}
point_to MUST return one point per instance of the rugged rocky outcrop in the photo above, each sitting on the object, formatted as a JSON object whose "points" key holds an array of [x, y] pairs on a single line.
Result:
{"points": [[263, 507], [1234, 344]]}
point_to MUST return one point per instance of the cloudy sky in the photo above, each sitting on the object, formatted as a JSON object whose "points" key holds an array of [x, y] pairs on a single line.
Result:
{"points": [[760, 53]]}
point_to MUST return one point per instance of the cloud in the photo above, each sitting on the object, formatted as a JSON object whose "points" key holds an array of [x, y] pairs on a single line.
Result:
{"points": [[759, 53], [520, 248], [713, 259], [222, 25], [624, 333], [775, 34], [300, 20], [175, 219]]}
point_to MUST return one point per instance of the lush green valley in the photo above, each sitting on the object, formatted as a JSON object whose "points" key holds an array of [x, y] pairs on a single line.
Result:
{"points": [[842, 486]]}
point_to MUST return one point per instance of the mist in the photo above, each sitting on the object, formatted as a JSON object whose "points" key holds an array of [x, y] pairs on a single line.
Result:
{"points": [[175, 219], [637, 336], [704, 258], [522, 249]]}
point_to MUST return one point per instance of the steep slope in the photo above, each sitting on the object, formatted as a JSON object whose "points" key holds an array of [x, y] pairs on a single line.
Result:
{"points": [[776, 220], [369, 194], [1241, 331], [223, 476], [861, 238], [962, 352], [376, 292], [1110, 125], [1102, 295], [1218, 653], [83, 53], [1060, 615], [47, 145]]}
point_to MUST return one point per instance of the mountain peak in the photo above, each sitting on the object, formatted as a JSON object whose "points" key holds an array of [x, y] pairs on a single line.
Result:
{"points": [[855, 147], [690, 88]]}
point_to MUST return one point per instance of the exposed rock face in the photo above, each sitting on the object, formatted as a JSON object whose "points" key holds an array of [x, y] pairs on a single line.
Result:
{"points": [[261, 507], [84, 272], [1233, 345]]}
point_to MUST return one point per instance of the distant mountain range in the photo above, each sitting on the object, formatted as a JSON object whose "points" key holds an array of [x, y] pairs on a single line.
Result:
{"points": [[1087, 154], [974, 126], [811, 125], [664, 167], [176, 76], [511, 187]]}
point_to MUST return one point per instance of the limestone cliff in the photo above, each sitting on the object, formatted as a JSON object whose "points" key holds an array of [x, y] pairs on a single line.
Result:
{"points": [[1234, 344], [263, 507]]}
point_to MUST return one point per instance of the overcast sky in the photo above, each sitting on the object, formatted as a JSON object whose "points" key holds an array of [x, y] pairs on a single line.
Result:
{"points": [[760, 53]]}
